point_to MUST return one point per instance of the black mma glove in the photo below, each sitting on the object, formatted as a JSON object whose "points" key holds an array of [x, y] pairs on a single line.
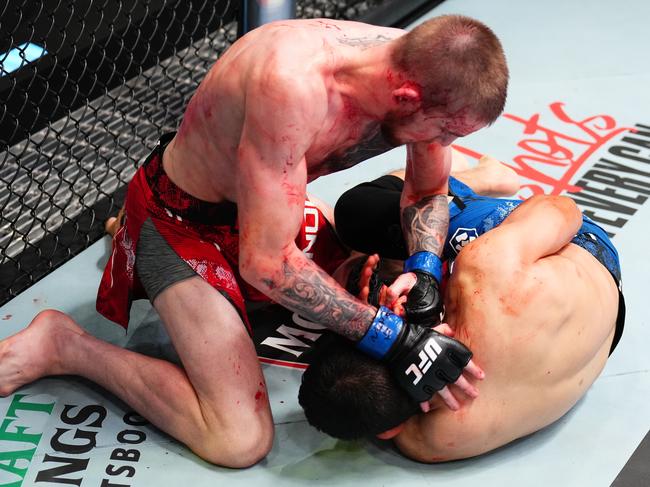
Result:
{"points": [[422, 360], [424, 302], [425, 361]]}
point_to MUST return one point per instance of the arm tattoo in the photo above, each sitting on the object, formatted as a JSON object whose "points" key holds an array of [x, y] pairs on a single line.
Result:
{"points": [[310, 292], [364, 42], [425, 224]]}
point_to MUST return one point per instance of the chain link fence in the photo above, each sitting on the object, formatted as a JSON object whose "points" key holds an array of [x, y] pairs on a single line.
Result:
{"points": [[86, 88]]}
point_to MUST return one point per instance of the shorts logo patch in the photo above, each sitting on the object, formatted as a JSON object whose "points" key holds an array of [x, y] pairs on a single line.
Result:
{"points": [[462, 237]]}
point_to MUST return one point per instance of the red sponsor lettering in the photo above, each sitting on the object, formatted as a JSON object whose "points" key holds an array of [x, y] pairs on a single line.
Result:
{"points": [[550, 157]]}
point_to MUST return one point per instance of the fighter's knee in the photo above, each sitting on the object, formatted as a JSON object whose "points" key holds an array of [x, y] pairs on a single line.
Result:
{"points": [[50, 315], [237, 446]]}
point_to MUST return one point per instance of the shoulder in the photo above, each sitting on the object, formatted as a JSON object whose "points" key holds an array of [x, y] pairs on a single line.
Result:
{"points": [[286, 81], [489, 255], [442, 436], [281, 96]]}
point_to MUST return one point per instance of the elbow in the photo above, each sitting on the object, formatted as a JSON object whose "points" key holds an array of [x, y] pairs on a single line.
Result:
{"points": [[262, 269], [563, 206], [569, 211], [573, 208], [251, 267]]}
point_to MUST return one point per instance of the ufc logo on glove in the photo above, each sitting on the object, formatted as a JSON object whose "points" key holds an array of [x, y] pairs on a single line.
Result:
{"points": [[427, 355]]}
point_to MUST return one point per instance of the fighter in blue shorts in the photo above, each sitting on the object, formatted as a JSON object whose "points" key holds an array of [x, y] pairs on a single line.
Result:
{"points": [[471, 215], [534, 291], [368, 221]]}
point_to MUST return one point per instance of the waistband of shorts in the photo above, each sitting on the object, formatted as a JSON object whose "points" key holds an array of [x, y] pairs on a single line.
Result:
{"points": [[620, 321], [594, 240], [459, 192], [177, 201]]}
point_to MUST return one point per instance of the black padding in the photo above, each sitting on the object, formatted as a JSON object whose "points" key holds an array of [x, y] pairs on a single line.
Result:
{"points": [[368, 218]]}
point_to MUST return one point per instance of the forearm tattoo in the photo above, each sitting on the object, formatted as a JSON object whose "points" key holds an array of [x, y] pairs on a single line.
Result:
{"points": [[310, 292], [425, 224], [364, 42]]}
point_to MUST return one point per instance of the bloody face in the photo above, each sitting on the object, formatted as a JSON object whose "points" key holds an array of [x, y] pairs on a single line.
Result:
{"points": [[433, 125]]}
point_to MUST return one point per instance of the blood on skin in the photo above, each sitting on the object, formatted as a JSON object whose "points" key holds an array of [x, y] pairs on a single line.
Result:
{"points": [[184, 127], [294, 195], [261, 392], [507, 307], [462, 335], [394, 77], [260, 397], [350, 110]]}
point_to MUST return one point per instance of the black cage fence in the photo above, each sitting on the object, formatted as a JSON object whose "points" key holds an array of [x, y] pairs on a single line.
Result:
{"points": [[86, 88]]}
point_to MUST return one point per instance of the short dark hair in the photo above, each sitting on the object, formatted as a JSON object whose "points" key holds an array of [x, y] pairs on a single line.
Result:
{"points": [[453, 56], [349, 395]]}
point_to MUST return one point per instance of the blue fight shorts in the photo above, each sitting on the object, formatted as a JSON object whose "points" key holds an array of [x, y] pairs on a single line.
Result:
{"points": [[368, 220], [471, 215]]}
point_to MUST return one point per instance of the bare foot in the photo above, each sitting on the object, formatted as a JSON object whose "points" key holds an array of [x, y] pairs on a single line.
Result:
{"points": [[490, 178], [33, 352], [500, 179]]}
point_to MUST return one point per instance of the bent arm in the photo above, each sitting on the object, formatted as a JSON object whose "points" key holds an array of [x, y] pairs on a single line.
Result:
{"points": [[424, 210], [539, 227], [272, 189]]}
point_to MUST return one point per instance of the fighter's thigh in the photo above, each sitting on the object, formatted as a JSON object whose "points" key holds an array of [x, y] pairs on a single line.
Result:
{"points": [[215, 349], [206, 329]]}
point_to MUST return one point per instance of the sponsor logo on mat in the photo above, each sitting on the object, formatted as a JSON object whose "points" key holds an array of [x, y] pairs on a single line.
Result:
{"points": [[282, 337], [68, 437], [603, 166]]}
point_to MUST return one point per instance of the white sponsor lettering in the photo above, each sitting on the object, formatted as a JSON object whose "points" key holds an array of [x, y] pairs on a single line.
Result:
{"points": [[310, 225], [427, 355], [291, 340]]}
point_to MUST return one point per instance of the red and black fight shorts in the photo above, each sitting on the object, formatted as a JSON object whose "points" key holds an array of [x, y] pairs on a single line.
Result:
{"points": [[204, 235]]}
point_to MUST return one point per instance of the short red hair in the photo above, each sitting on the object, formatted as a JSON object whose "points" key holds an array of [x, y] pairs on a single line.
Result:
{"points": [[453, 57]]}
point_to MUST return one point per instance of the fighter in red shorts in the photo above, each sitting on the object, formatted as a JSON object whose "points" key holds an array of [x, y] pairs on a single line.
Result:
{"points": [[176, 236], [287, 103]]}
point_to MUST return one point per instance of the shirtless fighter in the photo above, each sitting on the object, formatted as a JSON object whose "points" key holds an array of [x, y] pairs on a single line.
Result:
{"points": [[212, 216], [534, 293]]}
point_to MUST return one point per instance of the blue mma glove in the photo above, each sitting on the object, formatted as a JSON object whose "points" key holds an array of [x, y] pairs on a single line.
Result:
{"points": [[422, 360]]}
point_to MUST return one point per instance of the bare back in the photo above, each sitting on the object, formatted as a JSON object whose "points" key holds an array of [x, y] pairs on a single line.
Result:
{"points": [[303, 57], [542, 334]]}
